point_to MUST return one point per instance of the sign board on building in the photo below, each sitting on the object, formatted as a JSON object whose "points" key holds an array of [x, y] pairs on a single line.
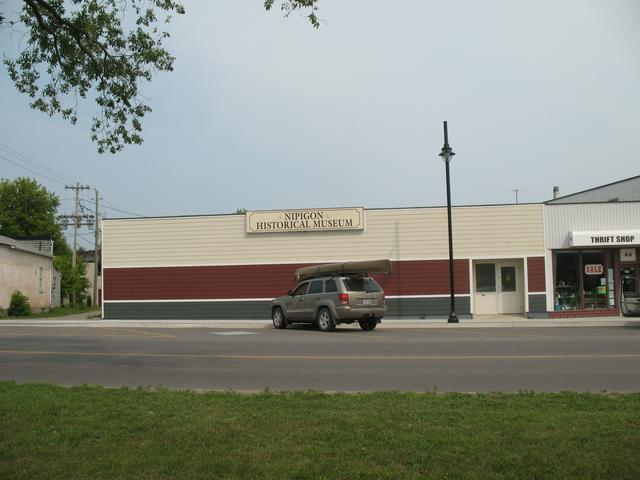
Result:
{"points": [[305, 220], [604, 238], [593, 269], [627, 254]]}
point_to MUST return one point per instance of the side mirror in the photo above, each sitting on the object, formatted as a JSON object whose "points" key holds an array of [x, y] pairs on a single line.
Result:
{"points": [[290, 293]]}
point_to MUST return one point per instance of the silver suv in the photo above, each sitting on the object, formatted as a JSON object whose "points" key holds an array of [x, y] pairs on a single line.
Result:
{"points": [[331, 300]]}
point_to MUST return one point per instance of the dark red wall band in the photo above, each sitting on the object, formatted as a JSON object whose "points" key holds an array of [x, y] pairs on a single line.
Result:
{"points": [[424, 277], [535, 271]]}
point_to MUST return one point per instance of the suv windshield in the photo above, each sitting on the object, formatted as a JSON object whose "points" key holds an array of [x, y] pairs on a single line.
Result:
{"points": [[361, 284]]}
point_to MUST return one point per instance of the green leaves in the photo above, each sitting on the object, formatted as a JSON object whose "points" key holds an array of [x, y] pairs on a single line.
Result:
{"points": [[93, 48], [28, 209], [73, 280], [103, 50], [290, 6]]}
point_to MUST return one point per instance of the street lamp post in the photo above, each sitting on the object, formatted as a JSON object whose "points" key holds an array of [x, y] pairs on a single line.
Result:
{"points": [[447, 154]]}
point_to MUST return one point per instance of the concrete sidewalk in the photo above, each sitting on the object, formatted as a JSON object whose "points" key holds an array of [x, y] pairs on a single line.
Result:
{"points": [[492, 322]]}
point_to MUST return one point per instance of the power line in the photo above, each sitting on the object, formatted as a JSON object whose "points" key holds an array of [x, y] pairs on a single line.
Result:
{"points": [[22, 161], [109, 207], [89, 240], [121, 211], [40, 174], [33, 164]]}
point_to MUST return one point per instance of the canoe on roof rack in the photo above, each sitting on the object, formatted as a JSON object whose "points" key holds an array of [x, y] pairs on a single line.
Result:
{"points": [[361, 267]]}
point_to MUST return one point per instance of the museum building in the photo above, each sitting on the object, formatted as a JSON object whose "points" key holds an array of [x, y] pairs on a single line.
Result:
{"points": [[525, 259]]}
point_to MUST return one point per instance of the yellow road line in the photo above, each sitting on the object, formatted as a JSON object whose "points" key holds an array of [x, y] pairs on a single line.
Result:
{"points": [[325, 357], [152, 334], [120, 335]]}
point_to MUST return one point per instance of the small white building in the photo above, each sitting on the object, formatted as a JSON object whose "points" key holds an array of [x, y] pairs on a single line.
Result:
{"points": [[27, 269]]}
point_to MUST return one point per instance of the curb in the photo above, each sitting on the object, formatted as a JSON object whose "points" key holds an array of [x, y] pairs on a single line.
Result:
{"points": [[386, 324]]}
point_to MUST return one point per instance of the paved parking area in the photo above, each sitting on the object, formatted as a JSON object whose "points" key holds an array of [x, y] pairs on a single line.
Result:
{"points": [[461, 359]]}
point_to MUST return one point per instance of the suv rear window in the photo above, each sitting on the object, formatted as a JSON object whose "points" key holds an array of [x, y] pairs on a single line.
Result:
{"points": [[361, 284]]}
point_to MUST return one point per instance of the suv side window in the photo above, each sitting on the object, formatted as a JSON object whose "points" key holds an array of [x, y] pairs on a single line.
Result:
{"points": [[330, 286], [316, 287], [361, 284], [301, 290]]}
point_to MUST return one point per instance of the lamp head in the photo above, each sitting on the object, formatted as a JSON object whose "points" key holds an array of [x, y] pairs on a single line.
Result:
{"points": [[446, 154]]}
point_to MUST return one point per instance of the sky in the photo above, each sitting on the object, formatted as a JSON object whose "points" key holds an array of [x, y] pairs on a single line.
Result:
{"points": [[265, 112]]}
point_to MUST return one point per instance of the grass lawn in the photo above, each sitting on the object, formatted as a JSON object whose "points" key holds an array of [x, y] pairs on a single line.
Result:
{"points": [[96, 433], [56, 312]]}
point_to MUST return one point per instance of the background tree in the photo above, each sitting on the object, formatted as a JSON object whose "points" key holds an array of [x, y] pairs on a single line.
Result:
{"points": [[102, 48], [72, 281], [27, 209]]}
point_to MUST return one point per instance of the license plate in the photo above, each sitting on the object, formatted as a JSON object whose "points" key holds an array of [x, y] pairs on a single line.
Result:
{"points": [[367, 301]]}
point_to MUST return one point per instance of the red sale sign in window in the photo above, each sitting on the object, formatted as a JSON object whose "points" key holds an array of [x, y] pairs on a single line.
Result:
{"points": [[593, 269]]}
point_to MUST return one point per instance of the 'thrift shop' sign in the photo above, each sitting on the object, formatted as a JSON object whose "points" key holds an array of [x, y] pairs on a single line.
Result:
{"points": [[306, 220], [604, 238]]}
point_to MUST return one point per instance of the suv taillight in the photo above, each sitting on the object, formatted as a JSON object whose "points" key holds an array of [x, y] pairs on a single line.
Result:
{"points": [[384, 300], [344, 298]]}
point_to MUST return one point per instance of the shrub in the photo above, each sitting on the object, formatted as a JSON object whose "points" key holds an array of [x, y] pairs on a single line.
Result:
{"points": [[89, 303], [19, 306], [3, 312]]}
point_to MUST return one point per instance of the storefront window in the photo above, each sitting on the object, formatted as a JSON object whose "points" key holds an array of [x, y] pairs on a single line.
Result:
{"points": [[594, 280], [567, 295], [582, 280]]}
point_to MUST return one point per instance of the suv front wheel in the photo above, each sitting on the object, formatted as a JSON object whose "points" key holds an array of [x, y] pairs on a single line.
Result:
{"points": [[277, 317], [325, 320]]}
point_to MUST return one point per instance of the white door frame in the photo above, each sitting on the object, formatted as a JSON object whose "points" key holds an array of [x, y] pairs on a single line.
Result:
{"points": [[497, 295]]}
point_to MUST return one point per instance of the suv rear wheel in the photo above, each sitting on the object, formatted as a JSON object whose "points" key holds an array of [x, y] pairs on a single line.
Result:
{"points": [[325, 320], [277, 317], [368, 324]]}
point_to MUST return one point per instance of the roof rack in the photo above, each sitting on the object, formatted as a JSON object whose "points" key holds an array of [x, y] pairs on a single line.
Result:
{"points": [[360, 267]]}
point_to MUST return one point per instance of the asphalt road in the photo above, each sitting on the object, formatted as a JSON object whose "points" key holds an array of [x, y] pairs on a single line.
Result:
{"points": [[465, 360]]}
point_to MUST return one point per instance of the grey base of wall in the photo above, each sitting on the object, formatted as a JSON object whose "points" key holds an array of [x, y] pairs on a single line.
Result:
{"points": [[234, 310], [537, 303], [260, 310], [538, 315], [427, 307]]}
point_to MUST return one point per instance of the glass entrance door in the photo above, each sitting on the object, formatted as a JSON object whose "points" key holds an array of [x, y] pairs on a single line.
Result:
{"points": [[510, 290], [486, 294]]}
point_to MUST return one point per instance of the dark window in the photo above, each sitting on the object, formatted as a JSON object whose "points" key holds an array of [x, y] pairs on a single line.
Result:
{"points": [[361, 284], [316, 287], [485, 277], [583, 280], [629, 282], [330, 286], [508, 279], [302, 289], [567, 281], [594, 278]]}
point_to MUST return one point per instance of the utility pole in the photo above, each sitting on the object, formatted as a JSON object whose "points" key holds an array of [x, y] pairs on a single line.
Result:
{"points": [[76, 221], [95, 252]]}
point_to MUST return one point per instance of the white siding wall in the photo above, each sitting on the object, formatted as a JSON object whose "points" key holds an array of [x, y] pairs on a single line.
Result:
{"points": [[408, 234], [21, 271], [561, 219]]}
